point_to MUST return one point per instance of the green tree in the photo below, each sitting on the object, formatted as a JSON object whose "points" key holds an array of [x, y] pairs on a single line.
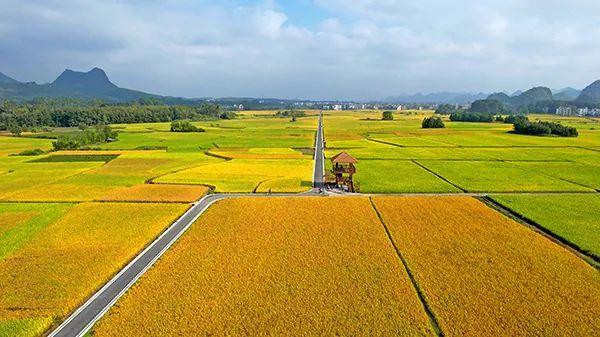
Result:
{"points": [[387, 116], [432, 122]]}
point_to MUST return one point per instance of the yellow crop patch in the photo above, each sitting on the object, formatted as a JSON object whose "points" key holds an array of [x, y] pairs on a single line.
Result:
{"points": [[275, 267], [63, 262], [159, 193], [247, 175], [258, 153], [484, 274]]}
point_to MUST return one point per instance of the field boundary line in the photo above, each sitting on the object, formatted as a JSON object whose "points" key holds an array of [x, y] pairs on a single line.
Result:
{"points": [[420, 294], [589, 148], [524, 168], [143, 271], [98, 293], [588, 257], [437, 175], [381, 141]]}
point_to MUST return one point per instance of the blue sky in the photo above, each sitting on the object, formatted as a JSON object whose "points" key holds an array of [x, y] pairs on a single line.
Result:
{"points": [[318, 49]]}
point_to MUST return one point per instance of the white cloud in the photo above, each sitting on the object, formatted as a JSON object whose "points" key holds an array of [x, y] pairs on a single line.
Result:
{"points": [[363, 49]]}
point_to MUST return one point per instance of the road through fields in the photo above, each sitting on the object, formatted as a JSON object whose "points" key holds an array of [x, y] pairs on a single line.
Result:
{"points": [[85, 316], [318, 175]]}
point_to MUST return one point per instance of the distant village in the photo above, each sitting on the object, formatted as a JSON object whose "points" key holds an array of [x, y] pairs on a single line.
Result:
{"points": [[340, 106], [574, 111]]}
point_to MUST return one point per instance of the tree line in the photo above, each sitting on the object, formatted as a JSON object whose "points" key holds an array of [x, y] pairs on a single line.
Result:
{"points": [[74, 113], [540, 128]]}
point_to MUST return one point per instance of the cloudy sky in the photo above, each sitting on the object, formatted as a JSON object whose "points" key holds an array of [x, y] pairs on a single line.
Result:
{"points": [[334, 49]]}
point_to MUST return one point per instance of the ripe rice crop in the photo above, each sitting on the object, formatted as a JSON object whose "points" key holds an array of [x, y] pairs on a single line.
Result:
{"points": [[158, 193], [14, 145], [484, 274], [61, 262], [245, 175], [272, 267], [31, 175], [20, 222]]}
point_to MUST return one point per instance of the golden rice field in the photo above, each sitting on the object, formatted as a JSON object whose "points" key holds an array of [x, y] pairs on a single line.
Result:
{"points": [[248, 175], [28, 180], [271, 267], [159, 193], [486, 275], [58, 254]]}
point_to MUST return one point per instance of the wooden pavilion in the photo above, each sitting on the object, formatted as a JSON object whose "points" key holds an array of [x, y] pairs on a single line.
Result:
{"points": [[343, 169]]}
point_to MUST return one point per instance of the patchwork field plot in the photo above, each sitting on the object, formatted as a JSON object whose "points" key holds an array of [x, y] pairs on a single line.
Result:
{"points": [[242, 133], [484, 274], [15, 145], [394, 176], [76, 175], [159, 193], [580, 174], [275, 266], [572, 162], [53, 256], [482, 176], [574, 218], [248, 175]]}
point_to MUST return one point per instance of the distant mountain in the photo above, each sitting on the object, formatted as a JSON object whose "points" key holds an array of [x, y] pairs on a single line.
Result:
{"points": [[566, 94], [591, 94], [502, 97], [7, 80], [93, 82], [85, 85], [517, 93], [533, 95], [437, 97], [525, 98]]}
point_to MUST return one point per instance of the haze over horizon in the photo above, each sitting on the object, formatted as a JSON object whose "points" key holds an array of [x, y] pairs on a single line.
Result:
{"points": [[313, 49]]}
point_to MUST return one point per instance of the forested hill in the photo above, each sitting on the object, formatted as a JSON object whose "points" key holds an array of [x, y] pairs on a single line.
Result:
{"points": [[7, 80], [93, 84], [591, 94]]}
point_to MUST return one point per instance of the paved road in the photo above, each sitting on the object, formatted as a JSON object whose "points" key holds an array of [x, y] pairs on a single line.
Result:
{"points": [[84, 318], [319, 169]]}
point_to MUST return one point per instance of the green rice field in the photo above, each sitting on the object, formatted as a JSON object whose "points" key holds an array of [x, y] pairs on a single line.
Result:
{"points": [[575, 218]]}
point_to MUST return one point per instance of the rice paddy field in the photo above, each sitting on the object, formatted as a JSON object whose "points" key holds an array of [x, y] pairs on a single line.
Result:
{"points": [[473, 157], [484, 274], [257, 266], [574, 218], [278, 266], [54, 256], [411, 265]]}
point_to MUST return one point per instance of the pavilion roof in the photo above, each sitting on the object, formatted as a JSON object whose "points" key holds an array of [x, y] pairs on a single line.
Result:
{"points": [[343, 158]]}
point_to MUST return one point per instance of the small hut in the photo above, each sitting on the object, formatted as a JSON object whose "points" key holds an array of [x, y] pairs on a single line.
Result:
{"points": [[343, 169]]}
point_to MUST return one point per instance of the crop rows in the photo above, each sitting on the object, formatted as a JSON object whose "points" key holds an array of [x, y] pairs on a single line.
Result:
{"points": [[55, 255], [484, 274], [276, 266]]}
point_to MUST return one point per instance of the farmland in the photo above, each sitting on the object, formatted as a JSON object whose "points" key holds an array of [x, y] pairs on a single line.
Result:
{"points": [[499, 277], [474, 157], [571, 217], [275, 267], [71, 219], [304, 264], [54, 256]]}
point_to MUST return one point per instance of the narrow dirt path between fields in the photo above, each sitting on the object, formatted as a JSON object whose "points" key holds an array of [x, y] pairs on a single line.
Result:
{"points": [[432, 318]]}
